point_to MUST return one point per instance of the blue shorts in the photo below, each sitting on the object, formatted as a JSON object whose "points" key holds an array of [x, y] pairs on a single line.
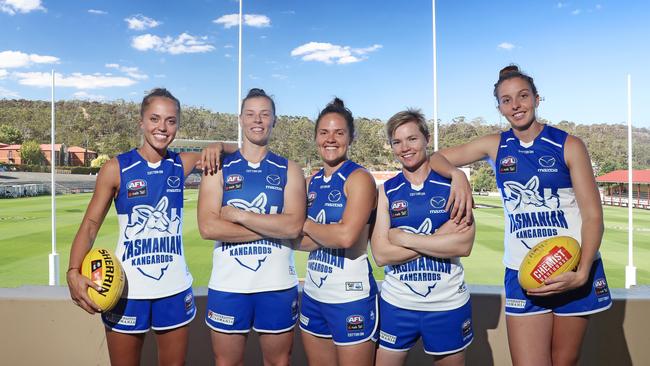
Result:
{"points": [[442, 332], [592, 297], [138, 315], [346, 323], [265, 312]]}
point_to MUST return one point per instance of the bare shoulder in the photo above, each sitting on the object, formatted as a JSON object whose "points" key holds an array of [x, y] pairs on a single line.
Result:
{"points": [[361, 176]]}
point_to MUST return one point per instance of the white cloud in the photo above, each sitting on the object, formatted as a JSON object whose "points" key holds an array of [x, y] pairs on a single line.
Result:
{"points": [[159, 76], [97, 12], [251, 20], [598, 6], [279, 76], [561, 5], [227, 55], [184, 43], [141, 22], [253, 77], [331, 53], [75, 80], [228, 46], [3, 73], [130, 71], [506, 46], [12, 7], [13, 59], [290, 12], [576, 12], [6, 93], [86, 96]]}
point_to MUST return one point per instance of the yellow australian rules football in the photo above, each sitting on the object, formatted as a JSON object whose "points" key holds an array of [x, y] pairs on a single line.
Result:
{"points": [[549, 259], [105, 271]]}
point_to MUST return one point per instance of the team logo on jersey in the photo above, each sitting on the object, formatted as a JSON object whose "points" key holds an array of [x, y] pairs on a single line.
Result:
{"points": [[234, 181], [311, 197], [399, 209], [526, 197], [531, 214], [508, 165], [136, 188], [322, 262], [173, 181], [354, 322], [437, 202], [254, 254], [273, 179], [334, 196], [152, 238], [189, 302]]}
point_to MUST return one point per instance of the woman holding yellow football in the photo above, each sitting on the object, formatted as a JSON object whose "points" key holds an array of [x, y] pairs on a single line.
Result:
{"points": [[542, 173], [146, 185]]}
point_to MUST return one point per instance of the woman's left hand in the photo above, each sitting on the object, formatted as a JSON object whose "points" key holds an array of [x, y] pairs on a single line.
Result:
{"points": [[460, 198], [565, 282], [211, 158]]}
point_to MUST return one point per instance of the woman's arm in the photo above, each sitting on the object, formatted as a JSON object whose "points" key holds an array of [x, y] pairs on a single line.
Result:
{"points": [[591, 211], [211, 225], [471, 152], [450, 240], [383, 251], [288, 224], [106, 186], [360, 190], [208, 159], [303, 242]]}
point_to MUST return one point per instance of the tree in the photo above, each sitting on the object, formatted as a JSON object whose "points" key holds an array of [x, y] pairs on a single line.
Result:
{"points": [[10, 135], [483, 179], [30, 153], [99, 161]]}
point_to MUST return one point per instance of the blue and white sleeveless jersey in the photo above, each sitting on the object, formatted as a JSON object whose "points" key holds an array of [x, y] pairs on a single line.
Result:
{"points": [[424, 283], [149, 209], [260, 265], [331, 276], [538, 197]]}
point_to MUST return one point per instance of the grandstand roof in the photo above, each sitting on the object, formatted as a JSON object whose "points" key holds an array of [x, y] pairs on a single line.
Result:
{"points": [[620, 176]]}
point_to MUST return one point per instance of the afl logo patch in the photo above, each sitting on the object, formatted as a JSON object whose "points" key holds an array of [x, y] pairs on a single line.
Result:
{"points": [[600, 285], [334, 196], [136, 188], [508, 165], [546, 161], [234, 181], [437, 202], [467, 328], [273, 179], [173, 181], [189, 302], [399, 209], [311, 197], [354, 322]]}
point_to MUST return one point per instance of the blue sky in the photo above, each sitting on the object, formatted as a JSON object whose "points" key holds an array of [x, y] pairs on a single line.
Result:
{"points": [[376, 55]]}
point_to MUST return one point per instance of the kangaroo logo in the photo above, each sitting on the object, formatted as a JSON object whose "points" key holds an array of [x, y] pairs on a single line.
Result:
{"points": [[417, 287], [258, 206], [425, 228], [151, 219], [321, 218], [320, 282], [518, 196]]}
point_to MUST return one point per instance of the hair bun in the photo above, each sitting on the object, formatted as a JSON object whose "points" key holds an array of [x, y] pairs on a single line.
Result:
{"points": [[256, 92], [508, 69], [337, 102]]}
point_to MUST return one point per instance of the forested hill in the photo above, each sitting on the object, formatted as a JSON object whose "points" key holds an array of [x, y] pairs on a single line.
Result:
{"points": [[112, 127]]}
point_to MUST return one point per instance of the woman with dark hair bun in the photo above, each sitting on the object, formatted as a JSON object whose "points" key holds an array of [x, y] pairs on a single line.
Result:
{"points": [[252, 208], [338, 315], [542, 172]]}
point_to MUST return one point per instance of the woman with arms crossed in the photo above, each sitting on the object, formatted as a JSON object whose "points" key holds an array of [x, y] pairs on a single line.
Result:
{"points": [[424, 293], [543, 172], [338, 314], [252, 207], [147, 187]]}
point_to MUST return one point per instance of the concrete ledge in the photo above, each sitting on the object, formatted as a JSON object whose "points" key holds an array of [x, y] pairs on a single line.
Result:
{"points": [[40, 325]]}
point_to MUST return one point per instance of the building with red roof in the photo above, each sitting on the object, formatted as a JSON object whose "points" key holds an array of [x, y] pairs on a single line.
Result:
{"points": [[65, 155], [614, 188]]}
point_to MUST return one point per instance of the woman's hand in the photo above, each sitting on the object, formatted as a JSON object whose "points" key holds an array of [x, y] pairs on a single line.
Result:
{"points": [[460, 198], [78, 285], [565, 282]]}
